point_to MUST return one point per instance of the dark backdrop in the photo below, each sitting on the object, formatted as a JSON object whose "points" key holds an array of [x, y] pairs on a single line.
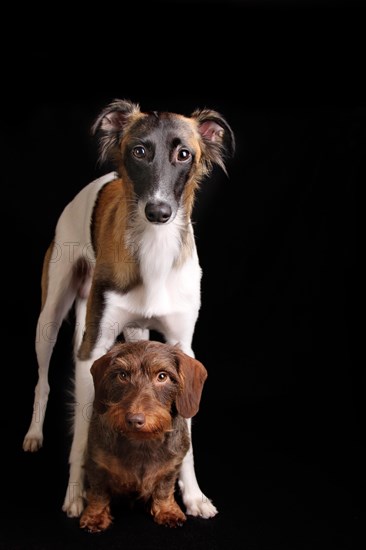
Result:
{"points": [[278, 438]]}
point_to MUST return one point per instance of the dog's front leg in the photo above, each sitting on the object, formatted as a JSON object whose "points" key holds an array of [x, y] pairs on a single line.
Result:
{"points": [[97, 515], [178, 329], [196, 503], [98, 338], [83, 395], [164, 508]]}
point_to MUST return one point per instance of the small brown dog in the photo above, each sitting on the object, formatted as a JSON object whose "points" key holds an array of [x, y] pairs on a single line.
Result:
{"points": [[138, 434]]}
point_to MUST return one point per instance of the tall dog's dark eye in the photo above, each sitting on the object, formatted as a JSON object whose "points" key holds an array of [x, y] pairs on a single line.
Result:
{"points": [[139, 152], [183, 155], [162, 377]]}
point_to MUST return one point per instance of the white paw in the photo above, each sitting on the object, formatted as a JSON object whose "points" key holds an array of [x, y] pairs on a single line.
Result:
{"points": [[202, 508], [73, 508], [198, 504], [32, 442]]}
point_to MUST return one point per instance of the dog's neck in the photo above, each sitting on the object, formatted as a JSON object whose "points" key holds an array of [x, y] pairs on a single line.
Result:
{"points": [[158, 250]]}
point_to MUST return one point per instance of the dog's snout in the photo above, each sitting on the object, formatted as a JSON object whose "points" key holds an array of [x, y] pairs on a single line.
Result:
{"points": [[158, 212], [135, 420]]}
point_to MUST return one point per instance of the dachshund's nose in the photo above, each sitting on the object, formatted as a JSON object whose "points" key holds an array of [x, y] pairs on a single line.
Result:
{"points": [[158, 212], [135, 420]]}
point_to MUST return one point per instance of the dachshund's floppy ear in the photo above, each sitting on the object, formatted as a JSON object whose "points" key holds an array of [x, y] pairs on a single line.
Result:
{"points": [[193, 375], [98, 371]]}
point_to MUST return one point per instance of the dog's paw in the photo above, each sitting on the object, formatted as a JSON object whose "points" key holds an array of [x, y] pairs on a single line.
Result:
{"points": [[95, 523], [204, 509], [170, 520], [169, 514], [198, 505], [32, 442], [74, 507]]}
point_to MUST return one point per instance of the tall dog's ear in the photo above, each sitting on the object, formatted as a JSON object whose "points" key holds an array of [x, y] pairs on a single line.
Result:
{"points": [[111, 123], [98, 371], [193, 375], [217, 136]]}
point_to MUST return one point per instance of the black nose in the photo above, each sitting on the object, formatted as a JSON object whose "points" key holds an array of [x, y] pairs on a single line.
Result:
{"points": [[135, 420], [158, 212]]}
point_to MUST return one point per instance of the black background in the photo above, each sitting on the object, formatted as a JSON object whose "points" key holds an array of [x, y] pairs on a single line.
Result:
{"points": [[278, 440]]}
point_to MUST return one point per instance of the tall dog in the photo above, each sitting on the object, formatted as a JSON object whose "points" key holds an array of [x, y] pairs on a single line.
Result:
{"points": [[124, 254], [138, 435]]}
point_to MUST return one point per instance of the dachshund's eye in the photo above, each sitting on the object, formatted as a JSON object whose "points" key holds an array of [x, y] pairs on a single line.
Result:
{"points": [[139, 152], [122, 376], [183, 155], [162, 377]]}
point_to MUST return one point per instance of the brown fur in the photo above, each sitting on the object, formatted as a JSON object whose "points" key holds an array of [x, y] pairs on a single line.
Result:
{"points": [[138, 434]]}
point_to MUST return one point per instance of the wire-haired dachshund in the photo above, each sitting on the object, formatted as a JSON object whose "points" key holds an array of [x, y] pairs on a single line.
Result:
{"points": [[138, 435]]}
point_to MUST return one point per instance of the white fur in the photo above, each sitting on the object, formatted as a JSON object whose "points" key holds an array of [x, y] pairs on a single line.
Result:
{"points": [[167, 301]]}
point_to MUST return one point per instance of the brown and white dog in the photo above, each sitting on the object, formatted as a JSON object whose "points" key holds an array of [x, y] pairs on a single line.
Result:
{"points": [[138, 435], [124, 255]]}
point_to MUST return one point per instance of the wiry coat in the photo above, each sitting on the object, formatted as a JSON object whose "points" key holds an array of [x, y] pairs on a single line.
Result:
{"points": [[138, 434]]}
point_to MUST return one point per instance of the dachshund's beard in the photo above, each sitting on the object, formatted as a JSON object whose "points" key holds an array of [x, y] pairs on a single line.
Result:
{"points": [[156, 424]]}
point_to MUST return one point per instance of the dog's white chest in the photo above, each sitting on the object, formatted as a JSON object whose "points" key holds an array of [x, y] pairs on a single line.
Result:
{"points": [[177, 292], [165, 288]]}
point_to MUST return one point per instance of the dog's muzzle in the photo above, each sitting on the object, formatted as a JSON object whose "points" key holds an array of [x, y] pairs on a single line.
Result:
{"points": [[158, 212]]}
